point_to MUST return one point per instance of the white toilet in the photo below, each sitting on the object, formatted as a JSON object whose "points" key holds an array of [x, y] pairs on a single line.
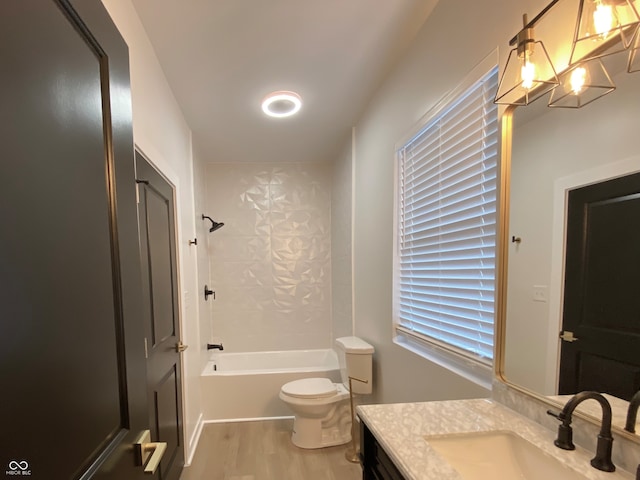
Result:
{"points": [[321, 407]]}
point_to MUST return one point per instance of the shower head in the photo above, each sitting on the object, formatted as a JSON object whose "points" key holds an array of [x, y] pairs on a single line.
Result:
{"points": [[214, 225]]}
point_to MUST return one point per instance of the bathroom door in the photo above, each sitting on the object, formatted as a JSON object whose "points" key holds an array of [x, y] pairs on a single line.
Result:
{"points": [[72, 365], [156, 218], [602, 285]]}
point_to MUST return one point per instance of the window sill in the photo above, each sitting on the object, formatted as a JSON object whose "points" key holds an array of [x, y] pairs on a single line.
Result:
{"points": [[475, 372]]}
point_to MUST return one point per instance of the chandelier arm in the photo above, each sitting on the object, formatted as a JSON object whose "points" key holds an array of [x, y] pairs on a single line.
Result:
{"points": [[535, 20]]}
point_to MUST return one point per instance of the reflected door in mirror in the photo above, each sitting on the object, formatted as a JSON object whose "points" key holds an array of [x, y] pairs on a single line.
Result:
{"points": [[602, 289]]}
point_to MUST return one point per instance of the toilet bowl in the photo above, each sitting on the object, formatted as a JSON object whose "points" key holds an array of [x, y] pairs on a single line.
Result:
{"points": [[322, 410]]}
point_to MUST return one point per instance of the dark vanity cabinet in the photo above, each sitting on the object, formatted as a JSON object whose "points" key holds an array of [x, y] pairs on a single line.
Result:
{"points": [[376, 464]]}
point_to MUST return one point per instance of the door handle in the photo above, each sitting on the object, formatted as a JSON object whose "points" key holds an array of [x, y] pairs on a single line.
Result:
{"points": [[158, 451], [567, 336], [148, 453], [181, 347]]}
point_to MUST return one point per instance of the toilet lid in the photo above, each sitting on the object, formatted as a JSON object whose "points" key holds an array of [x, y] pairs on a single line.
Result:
{"points": [[310, 388]]}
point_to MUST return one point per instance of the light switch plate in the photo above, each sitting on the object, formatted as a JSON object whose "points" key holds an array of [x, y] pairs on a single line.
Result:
{"points": [[540, 293]]}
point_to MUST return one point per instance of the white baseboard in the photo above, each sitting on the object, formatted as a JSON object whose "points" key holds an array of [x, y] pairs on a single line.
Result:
{"points": [[254, 419], [193, 441]]}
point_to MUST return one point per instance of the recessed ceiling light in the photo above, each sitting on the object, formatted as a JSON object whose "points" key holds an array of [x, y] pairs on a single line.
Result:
{"points": [[282, 104]]}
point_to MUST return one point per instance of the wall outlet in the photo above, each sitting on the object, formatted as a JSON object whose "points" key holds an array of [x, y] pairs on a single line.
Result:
{"points": [[540, 293]]}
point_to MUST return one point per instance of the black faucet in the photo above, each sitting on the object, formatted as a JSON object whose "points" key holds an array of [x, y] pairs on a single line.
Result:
{"points": [[602, 460], [632, 413], [212, 346]]}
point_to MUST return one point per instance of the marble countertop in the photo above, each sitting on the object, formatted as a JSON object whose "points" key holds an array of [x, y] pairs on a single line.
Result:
{"points": [[400, 429]]}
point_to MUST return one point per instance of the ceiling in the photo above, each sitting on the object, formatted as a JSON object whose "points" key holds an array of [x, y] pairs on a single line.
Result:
{"points": [[222, 57]]}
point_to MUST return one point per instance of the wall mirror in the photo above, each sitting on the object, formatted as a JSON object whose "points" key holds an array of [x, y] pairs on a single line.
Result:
{"points": [[555, 151]]}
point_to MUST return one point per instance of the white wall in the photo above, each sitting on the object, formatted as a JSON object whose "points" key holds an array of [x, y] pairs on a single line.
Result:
{"points": [[341, 244], [162, 134], [270, 264], [456, 37], [205, 312]]}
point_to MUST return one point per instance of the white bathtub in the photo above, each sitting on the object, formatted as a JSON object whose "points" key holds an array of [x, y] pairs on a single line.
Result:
{"points": [[245, 386]]}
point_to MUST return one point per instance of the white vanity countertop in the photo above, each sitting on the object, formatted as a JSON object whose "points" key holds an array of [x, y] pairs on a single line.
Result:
{"points": [[400, 429]]}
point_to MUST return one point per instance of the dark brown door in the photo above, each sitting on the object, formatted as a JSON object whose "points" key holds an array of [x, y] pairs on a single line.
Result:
{"points": [[156, 217], [72, 364], [602, 289]]}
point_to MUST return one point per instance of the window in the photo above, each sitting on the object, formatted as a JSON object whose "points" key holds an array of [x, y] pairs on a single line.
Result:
{"points": [[445, 241]]}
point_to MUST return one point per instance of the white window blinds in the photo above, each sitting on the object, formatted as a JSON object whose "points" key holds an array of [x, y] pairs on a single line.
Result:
{"points": [[445, 263]]}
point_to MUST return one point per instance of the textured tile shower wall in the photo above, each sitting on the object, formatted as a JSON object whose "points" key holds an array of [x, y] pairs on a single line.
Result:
{"points": [[270, 264]]}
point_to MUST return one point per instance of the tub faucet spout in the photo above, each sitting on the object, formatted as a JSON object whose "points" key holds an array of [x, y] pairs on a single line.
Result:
{"points": [[215, 346], [602, 460]]}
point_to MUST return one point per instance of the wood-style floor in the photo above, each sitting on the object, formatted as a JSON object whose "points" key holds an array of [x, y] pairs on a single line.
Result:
{"points": [[262, 450]]}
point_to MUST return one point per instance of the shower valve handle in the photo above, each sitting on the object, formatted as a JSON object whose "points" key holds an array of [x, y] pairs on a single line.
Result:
{"points": [[208, 292]]}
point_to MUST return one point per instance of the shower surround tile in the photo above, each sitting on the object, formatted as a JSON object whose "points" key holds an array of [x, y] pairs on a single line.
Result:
{"points": [[271, 264]]}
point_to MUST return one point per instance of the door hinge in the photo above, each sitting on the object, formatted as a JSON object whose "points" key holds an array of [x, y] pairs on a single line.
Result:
{"points": [[146, 348], [567, 336], [138, 182]]}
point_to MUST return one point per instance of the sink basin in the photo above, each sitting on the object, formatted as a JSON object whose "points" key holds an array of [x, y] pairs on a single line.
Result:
{"points": [[499, 455]]}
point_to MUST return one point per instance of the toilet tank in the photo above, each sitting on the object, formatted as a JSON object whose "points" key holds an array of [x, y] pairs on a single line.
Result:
{"points": [[355, 357]]}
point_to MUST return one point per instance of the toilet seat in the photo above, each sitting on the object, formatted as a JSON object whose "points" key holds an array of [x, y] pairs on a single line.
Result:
{"points": [[310, 388]]}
